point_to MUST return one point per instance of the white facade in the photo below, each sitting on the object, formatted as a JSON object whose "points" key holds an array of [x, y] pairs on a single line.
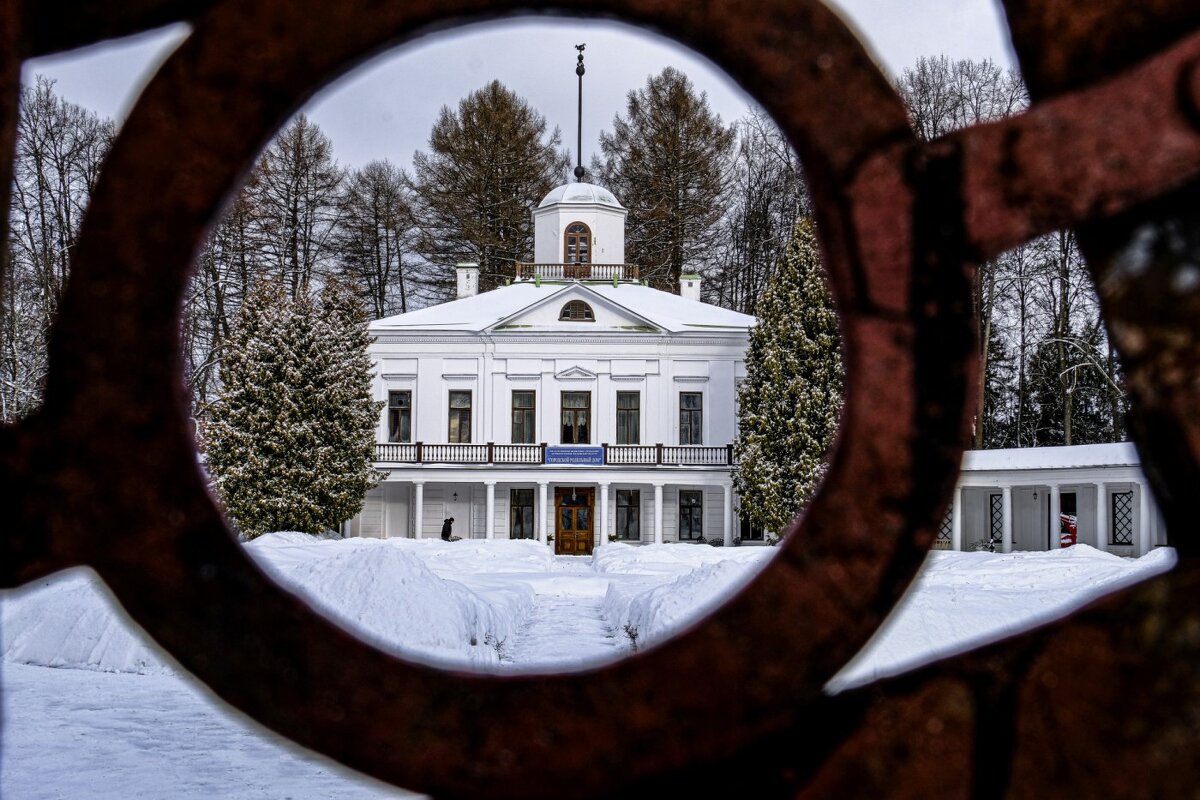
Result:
{"points": [[574, 409], [1027, 499], [576, 404]]}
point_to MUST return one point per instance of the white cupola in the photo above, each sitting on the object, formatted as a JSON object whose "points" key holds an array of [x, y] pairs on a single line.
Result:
{"points": [[579, 223]]}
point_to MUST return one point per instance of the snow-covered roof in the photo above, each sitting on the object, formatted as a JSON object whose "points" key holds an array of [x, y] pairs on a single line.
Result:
{"points": [[662, 310], [1119, 454], [579, 193]]}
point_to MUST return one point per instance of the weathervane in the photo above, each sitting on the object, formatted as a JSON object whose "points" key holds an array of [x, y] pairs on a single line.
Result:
{"points": [[579, 70]]}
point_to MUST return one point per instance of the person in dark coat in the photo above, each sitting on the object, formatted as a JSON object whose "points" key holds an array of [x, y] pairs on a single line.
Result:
{"points": [[447, 528]]}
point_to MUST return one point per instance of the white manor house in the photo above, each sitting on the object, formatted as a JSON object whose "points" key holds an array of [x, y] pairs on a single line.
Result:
{"points": [[574, 403], [577, 404]]}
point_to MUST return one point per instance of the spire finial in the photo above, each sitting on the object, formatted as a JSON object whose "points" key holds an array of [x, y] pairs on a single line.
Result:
{"points": [[579, 70]]}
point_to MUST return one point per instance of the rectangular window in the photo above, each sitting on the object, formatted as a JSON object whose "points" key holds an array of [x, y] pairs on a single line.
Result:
{"points": [[576, 417], [521, 514], [691, 418], [1122, 518], [460, 417], [400, 416], [995, 518], [629, 522], [522, 418], [945, 534], [691, 515], [629, 418], [749, 530]]}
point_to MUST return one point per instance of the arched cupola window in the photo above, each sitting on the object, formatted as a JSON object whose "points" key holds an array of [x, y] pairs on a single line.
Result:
{"points": [[577, 244], [577, 311]]}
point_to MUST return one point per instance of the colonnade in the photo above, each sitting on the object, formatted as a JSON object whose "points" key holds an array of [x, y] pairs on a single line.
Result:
{"points": [[1142, 542], [544, 510]]}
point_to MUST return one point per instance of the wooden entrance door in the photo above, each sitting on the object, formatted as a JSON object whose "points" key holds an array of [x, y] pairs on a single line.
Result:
{"points": [[574, 520]]}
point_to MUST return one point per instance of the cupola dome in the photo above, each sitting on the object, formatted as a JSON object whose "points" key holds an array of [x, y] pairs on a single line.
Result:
{"points": [[580, 193]]}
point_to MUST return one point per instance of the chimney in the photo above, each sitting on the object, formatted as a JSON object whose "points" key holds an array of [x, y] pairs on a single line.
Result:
{"points": [[689, 286], [468, 278]]}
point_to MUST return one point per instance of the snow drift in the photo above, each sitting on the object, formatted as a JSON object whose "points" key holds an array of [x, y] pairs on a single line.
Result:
{"points": [[383, 591], [462, 603]]}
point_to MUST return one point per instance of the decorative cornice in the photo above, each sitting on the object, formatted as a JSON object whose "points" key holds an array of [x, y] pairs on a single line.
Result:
{"points": [[550, 338], [459, 376], [691, 379], [628, 378], [398, 376]]}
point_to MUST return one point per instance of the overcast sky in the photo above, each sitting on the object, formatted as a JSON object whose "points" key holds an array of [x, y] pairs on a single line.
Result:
{"points": [[386, 108]]}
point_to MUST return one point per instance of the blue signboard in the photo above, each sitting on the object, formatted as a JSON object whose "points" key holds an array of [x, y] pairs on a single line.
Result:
{"points": [[588, 456]]}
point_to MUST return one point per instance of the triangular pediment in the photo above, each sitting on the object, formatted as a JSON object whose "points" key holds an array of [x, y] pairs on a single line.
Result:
{"points": [[575, 373], [602, 314]]}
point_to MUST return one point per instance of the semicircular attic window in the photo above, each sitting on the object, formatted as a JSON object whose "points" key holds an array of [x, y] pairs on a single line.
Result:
{"points": [[577, 311]]}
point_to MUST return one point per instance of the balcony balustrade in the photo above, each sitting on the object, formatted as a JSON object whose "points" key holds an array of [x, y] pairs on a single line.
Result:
{"points": [[646, 455], [577, 272]]}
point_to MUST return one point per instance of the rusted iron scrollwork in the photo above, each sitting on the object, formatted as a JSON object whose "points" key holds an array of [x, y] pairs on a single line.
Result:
{"points": [[1106, 703]]}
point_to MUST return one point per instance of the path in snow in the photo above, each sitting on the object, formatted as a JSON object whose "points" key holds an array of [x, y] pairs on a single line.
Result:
{"points": [[566, 628]]}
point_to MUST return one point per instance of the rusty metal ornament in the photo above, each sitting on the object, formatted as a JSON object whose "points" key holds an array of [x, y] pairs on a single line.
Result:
{"points": [[105, 473]]}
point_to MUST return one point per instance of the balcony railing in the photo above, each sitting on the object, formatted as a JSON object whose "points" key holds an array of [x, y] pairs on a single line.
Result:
{"points": [[577, 272], [644, 455]]}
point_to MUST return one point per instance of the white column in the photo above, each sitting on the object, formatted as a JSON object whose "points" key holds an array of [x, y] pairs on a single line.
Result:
{"points": [[418, 508], [542, 519], [603, 513], [727, 517], [1007, 530], [489, 524], [1055, 517], [1102, 534], [956, 520], [1143, 532], [658, 511], [383, 533]]}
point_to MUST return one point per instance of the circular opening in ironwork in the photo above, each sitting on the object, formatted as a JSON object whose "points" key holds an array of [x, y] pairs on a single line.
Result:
{"points": [[384, 137]]}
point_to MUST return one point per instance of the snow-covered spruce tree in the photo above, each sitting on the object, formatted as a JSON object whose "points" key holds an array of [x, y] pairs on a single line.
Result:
{"points": [[790, 402], [291, 438], [349, 413]]}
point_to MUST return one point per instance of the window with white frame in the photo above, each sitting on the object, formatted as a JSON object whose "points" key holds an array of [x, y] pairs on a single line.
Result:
{"points": [[523, 407], [691, 418], [945, 532], [629, 524], [629, 417], [749, 530], [400, 416], [1122, 518], [691, 515], [521, 514], [460, 417], [576, 418], [995, 517]]}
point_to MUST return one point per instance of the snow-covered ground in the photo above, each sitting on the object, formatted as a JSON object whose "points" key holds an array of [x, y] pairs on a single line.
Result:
{"points": [[92, 709]]}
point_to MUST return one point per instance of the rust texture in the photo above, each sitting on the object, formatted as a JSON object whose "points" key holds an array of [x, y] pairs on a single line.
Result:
{"points": [[105, 474]]}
